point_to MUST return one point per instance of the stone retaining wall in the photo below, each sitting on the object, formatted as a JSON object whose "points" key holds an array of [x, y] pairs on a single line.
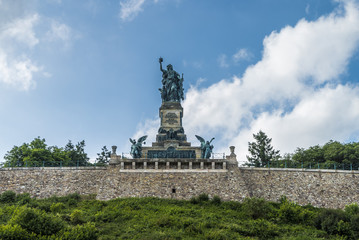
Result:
{"points": [[321, 188]]}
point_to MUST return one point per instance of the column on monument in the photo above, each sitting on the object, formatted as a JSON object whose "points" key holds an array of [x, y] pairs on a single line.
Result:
{"points": [[202, 165], [156, 165], [213, 165], [144, 165], [179, 165], [190, 165], [167, 165], [224, 165]]}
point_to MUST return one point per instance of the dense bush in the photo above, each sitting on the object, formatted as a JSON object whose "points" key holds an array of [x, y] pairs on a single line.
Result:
{"points": [[15, 232], [256, 208], [328, 220], [8, 197], [290, 212], [78, 217], [81, 232], [36, 221]]}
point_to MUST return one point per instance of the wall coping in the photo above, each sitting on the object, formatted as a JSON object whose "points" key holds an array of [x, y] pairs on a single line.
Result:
{"points": [[300, 170], [184, 170], [52, 168], [174, 170]]}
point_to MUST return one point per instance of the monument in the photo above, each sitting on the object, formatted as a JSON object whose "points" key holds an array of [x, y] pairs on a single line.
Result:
{"points": [[171, 149]]}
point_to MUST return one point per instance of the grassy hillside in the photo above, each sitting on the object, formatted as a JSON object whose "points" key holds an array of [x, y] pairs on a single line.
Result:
{"points": [[83, 217]]}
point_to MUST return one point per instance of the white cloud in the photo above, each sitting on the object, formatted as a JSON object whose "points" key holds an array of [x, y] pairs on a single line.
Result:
{"points": [[198, 82], [293, 93], [22, 33], [21, 30], [129, 9], [59, 31], [222, 61], [16, 68], [17, 72], [242, 54]]}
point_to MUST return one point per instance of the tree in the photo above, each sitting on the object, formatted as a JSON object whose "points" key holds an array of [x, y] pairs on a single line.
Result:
{"points": [[261, 150], [77, 153], [37, 153], [104, 156]]}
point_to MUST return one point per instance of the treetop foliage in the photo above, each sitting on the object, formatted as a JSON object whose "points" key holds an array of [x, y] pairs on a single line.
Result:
{"points": [[37, 152], [332, 151], [261, 151]]}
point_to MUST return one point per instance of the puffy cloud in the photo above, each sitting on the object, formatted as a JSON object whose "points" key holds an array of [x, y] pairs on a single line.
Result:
{"points": [[328, 113], [17, 72], [16, 68], [129, 9], [19, 38], [21, 30], [293, 93]]}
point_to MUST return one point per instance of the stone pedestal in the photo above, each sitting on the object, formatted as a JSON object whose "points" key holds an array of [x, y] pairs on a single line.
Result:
{"points": [[171, 114]]}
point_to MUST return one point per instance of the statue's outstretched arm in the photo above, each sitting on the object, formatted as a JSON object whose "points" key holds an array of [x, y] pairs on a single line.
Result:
{"points": [[161, 60]]}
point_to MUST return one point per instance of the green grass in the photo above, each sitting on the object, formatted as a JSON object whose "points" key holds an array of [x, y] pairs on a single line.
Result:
{"points": [[83, 217]]}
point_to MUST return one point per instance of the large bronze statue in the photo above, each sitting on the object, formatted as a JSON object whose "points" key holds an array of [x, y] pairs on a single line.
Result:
{"points": [[206, 147], [172, 84], [136, 148]]}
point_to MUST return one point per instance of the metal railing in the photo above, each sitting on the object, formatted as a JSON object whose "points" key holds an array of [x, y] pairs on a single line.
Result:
{"points": [[213, 156], [308, 165], [51, 164]]}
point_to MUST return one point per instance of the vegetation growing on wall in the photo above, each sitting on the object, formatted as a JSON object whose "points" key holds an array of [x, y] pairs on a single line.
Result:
{"points": [[83, 217]]}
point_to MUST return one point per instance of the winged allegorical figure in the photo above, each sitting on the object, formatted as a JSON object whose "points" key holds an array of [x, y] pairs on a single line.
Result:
{"points": [[136, 148], [206, 147]]}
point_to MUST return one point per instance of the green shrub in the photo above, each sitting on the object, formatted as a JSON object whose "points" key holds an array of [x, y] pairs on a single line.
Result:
{"points": [[354, 226], [203, 197], [8, 197], [57, 207], [15, 232], [194, 200], [351, 209], [290, 212], [232, 205], [74, 196], [328, 220], [216, 200], [76, 217], [165, 221], [256, 208], [81, 232], [6, 212], [36, 221], [260, 228], [23, 198]]}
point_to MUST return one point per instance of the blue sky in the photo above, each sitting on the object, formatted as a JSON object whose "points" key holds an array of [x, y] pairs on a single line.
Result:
{"points": [[88, 70]]}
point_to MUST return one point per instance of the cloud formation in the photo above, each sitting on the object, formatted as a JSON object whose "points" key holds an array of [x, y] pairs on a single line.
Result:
{"points": [[222, 61], [19, 37], [16, 68], [129, 9], [293, 93], [241, 54]]}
